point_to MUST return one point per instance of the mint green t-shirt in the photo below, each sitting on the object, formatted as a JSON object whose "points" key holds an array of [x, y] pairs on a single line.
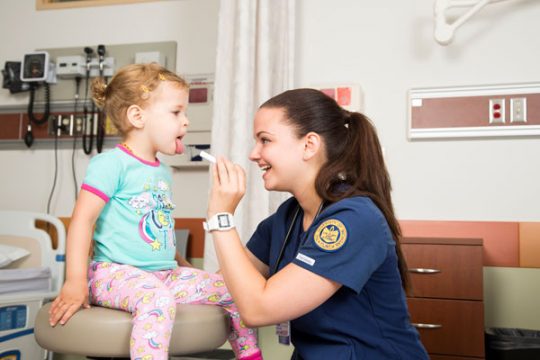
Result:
{"points": [[136, 226]]}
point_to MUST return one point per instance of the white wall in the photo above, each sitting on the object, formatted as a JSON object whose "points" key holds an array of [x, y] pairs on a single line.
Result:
{"points": [[27, 174], [387, 47]]}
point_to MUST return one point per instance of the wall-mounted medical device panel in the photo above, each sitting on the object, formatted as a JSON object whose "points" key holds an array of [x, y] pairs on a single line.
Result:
{"points": [[37, 67], [70, 66], [116, 56], [66, 121], [66, 98], [474, 111], [75, 65]]}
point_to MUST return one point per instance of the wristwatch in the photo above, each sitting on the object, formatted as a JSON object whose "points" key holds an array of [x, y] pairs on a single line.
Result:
{"points": [[220, 222]]}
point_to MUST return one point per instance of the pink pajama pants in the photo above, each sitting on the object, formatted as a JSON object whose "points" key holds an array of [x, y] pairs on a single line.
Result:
{"points": [[151, 298]]}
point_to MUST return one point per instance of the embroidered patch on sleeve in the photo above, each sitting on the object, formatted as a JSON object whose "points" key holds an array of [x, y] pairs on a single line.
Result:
{"points": [[331, 235]]}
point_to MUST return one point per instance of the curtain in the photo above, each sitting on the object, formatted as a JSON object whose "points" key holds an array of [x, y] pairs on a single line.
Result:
{"points": [[255, 61]]}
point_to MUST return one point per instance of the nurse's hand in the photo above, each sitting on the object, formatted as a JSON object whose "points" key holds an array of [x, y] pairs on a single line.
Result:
{"points": [[73, 296], [228, 187]]}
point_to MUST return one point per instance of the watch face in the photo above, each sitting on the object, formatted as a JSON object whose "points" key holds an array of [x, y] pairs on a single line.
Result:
{"points": [[223, 220]]}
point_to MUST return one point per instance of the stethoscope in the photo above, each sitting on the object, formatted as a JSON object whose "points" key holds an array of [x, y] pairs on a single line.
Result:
{"points": [[289, 231]]}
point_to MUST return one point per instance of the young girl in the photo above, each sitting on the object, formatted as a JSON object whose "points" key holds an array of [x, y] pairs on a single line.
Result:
{"points": [[126, 194], [328, 263]]}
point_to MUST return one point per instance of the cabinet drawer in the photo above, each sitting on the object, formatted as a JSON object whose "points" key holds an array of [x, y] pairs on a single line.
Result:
{"points": [[450, 327], [444, 357], [445, 271]]}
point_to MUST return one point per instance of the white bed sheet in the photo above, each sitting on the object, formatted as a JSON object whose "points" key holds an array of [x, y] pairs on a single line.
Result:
{"points": [[36, 279]]}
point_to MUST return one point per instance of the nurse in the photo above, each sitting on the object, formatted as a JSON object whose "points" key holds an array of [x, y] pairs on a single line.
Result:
{"points": [[327, 266]]}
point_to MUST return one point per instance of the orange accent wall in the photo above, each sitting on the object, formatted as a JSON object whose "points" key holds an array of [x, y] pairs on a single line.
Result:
{"points": [[501, 239], [529, 244], [506, 244], [195, 247]]}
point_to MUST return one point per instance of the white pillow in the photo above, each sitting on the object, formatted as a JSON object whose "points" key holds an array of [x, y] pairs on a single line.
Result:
{"points": [[8, 254]]}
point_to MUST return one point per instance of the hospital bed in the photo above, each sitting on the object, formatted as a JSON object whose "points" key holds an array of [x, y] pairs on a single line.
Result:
{"points": [[31, 273], [28, 282]]}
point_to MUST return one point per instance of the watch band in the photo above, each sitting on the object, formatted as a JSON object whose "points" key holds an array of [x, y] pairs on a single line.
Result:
{"points": [[221, 222]]}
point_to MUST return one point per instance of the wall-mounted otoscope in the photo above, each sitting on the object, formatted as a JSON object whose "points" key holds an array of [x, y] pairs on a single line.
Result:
{"points": [[88, 51], [101, 59], [88, 124]]}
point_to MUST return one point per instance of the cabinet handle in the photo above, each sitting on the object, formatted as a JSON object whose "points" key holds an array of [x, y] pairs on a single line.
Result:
{"points": [[424, 271], [426, 326]]}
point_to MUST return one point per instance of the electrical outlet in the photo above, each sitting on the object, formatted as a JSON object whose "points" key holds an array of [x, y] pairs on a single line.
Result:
{"points": [[59, 125], [518, 110], [496, 111], [65, 125], [78, 125]]}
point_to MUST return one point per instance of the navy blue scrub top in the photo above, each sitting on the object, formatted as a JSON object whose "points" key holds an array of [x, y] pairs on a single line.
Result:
{"points": [[350, 243]]}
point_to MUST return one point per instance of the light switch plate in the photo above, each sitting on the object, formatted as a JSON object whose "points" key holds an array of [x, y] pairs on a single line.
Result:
{"points": [[518, 110]]}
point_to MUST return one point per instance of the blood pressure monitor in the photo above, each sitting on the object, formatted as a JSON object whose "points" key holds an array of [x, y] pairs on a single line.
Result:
{"points": [[35, 66]]}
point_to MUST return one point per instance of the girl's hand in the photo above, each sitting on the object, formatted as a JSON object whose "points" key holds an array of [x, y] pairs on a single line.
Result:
{"points": [[73, 296], [228, 187]]}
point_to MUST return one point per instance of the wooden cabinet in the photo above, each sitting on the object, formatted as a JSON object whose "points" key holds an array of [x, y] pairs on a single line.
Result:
{"points": [[446, 301]]}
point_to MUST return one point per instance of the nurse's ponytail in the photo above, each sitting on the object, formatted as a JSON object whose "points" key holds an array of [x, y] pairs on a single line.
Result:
{"points": [[365, 170], [355, 163]]}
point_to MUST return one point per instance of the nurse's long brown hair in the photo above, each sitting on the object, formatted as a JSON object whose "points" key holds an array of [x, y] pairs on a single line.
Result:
{"points": [[353, 152]]}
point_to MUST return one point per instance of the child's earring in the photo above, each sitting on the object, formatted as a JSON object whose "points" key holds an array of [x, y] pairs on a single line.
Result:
{"points": [[161, 77]]}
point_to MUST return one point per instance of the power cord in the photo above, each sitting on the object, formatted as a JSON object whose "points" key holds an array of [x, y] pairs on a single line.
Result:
{"points": [[56, 128], [29, 136], [75, 108], [46, 113]]}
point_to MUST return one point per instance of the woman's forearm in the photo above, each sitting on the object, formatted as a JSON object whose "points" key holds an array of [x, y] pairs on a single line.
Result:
{"points": [[244, 281]]}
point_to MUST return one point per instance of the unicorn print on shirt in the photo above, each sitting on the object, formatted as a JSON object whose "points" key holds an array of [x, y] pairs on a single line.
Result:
{"points": [[156, 225]]}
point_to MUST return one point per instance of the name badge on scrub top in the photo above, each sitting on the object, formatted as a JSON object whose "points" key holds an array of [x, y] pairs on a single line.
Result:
{"points": [[283, 331]]}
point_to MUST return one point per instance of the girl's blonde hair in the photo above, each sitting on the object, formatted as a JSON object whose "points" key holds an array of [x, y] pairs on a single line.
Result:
{"points": [[131, 85]]}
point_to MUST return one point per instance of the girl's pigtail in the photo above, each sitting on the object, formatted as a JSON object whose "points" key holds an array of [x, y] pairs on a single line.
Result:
{"points": [[99, 92]]}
